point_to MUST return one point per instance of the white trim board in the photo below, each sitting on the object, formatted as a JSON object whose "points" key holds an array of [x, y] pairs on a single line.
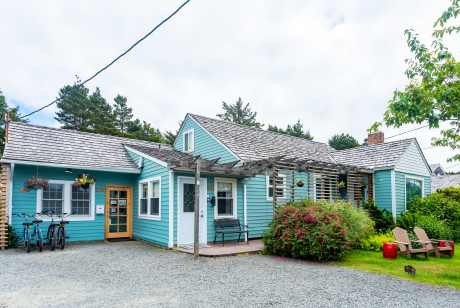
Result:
{"points": [[393, 194], [233, 181], [148, 181], [34, 163], [171, 209], [155, 160]]}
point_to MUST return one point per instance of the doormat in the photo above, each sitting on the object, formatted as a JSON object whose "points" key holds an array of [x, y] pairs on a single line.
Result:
{"points": [[191, 246], [121, 239]]}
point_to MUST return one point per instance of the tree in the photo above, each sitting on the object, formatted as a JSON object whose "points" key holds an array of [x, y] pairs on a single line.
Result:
{"points": [[433, 93], [236, 113], [122, 112], [14, 116], [74, 107], [102, 117], [295, 130], [343, 141]]}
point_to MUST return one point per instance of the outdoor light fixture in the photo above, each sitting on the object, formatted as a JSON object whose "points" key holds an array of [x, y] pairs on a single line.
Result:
{"points": [[69, 170]]}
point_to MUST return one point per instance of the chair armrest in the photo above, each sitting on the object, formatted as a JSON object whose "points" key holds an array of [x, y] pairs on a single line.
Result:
{"points": [[246, 226], [407, 244], [421, 242]]}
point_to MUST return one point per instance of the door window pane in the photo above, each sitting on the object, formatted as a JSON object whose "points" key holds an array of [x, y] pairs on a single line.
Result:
{"points": [[189, 198]]}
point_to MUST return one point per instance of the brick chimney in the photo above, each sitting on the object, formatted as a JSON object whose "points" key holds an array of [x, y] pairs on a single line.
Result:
{"points": [[375, 138]]}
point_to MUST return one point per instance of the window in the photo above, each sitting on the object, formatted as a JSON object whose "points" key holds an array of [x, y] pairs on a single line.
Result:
{"points": [[189, 198], [414, 187], [225, 192], [63, 197], [188, 141], [150, 198], [280, 190]]}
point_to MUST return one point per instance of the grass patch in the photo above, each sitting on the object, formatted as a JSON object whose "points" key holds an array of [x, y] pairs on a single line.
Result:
{"points": [[436, 271]]}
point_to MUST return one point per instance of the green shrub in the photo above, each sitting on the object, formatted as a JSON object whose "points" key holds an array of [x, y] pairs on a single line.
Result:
{"points": [[407, 221], [383, 219], [306, 231], [12, 237], [435, 228], [375, 241], [444, 204]]}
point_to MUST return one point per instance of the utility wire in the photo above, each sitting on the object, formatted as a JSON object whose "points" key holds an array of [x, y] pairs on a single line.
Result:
{"points": [[407, 132], [115, 60]]}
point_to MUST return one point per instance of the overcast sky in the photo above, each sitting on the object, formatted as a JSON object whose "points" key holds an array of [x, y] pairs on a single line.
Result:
{"points": [[332, 64]]}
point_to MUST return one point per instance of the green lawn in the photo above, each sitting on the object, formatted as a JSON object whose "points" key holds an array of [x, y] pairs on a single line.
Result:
{"points": [[437, 271]]}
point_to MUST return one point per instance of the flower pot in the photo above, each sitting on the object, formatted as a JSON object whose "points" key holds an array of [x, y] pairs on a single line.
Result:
{"points": [[85, 186], [342, 187], [300, 184], [363, 187]]}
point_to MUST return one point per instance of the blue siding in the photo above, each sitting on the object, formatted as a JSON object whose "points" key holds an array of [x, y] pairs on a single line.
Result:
{"points": [[204, 143], [401, 189], [156, 231], [382, 183], [26, 202]]}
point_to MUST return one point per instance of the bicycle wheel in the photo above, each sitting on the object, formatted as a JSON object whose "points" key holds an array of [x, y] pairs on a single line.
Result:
{"points": [[51, 239], [27, 241], [62, 237], [39, 240]]}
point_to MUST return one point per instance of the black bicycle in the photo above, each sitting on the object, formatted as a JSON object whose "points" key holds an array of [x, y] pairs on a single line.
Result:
{"points": [[51, 234], [36, 233], [61, 231]]}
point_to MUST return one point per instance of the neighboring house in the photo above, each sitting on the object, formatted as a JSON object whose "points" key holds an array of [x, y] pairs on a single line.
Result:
{"points": [[145, 190], [445, 181], [437, 170]]}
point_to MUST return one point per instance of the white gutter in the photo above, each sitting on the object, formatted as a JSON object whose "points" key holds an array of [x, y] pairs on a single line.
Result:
{"points": [[33, 163], [393, 194], [10, 194], [245, 207], [171, 209]]}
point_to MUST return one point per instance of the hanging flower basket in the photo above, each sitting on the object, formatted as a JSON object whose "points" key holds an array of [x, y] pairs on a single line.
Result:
{"points": [[84, 180], [300, 182], [342, 185], [35, 183]]}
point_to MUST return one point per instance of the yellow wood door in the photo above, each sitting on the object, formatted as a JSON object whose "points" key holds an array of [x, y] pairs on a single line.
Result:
{"points": [[118, 211]]}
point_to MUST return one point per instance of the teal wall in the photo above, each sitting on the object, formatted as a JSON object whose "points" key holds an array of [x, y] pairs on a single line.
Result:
{"points": [[156, 231], [26, 202], [382, 193], [204, 144], [401, 192]]}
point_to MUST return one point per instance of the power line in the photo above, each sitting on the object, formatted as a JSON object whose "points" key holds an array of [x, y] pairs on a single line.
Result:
{"points": [[407, 131], [115, 60]]}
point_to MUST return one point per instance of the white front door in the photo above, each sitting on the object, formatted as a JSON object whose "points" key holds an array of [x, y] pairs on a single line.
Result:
{"points": [[186, 210]]}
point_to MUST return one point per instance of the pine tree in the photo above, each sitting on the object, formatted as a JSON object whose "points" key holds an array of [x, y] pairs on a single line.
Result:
{"points": [[236, 113], [102, 118], [122, 113], [295, 130]]}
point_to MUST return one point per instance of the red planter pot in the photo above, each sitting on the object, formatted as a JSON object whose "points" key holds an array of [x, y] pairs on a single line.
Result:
{"points": [[443, 244], [390, 250]]}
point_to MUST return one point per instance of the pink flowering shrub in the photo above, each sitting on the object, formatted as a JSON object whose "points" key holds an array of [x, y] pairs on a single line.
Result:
{"points": [[309, 231]]}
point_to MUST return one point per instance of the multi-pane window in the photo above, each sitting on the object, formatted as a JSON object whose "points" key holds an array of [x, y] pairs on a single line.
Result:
{"points": [[413, 188], [143, 199], [188, 198], [225, 199], [53, 198], [80, 203], [188, 141], [280, 189], [150, 198], [155, 199]]}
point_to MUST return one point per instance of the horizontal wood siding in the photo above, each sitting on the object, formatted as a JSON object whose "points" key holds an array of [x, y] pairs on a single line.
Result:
{"points": [[401, 189], [26, 202], [413, 162], [383, 196], [156, 231], [204, 144], [259, 209]]}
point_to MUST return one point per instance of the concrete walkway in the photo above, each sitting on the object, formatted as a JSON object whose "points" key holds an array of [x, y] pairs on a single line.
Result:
{"points": [[143, 275], [229, 249]]}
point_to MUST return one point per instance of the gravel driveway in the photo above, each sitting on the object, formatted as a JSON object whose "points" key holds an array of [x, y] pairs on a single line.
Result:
{"points": [[136, 274]]}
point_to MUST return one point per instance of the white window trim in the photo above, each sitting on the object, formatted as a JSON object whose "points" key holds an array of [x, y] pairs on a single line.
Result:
{"points": [[234, 195], [67, 202], [191, 145], [149, 194], [410, 177], [267, 186]]}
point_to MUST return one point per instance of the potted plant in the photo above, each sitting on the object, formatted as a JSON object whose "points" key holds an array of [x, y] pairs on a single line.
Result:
{"points": [[35, 183], [342, 185], [300, 182], [363, 185], [84, 180]]}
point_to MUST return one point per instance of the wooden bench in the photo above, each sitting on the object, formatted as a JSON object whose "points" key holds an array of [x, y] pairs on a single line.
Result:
{"points": [[229, 226]]}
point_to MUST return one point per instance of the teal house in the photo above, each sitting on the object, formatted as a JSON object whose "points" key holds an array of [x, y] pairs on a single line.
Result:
{"points": [[146, 190]]}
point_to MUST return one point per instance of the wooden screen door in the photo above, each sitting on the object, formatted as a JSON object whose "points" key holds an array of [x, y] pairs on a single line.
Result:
{"points": [[118, 211]]}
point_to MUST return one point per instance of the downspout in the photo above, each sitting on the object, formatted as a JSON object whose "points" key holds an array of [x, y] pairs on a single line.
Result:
{"points": [[10, 194], [171, 209], [245, 207], [393, 194]]}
